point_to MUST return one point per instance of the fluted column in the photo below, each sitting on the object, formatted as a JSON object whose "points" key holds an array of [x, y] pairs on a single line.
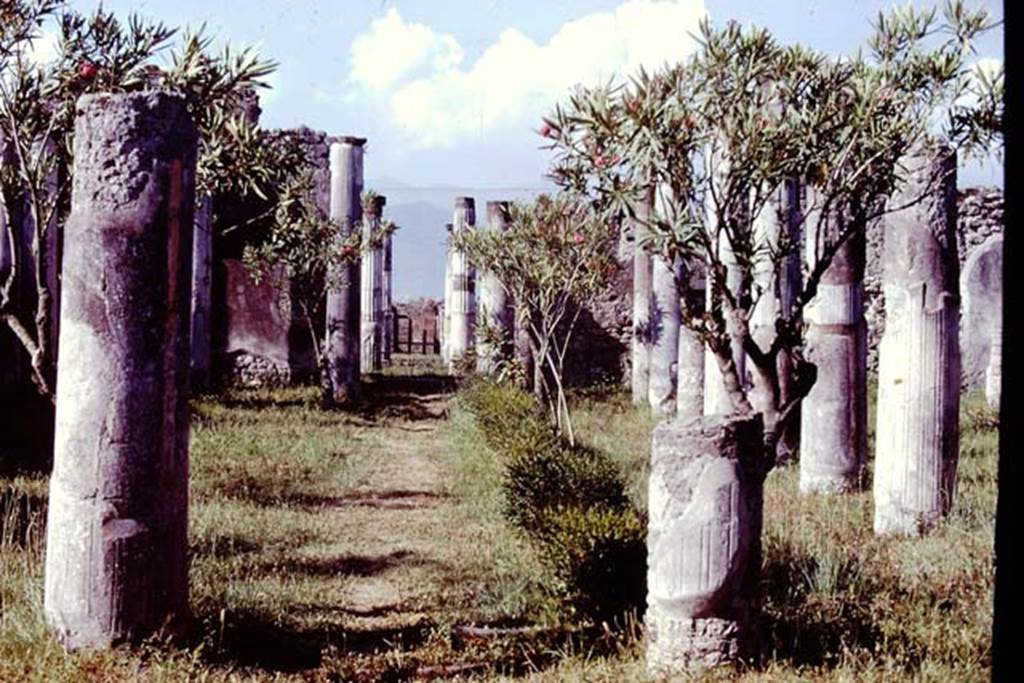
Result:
{"points": [[371, 287], [463, 286], [919, 355]]}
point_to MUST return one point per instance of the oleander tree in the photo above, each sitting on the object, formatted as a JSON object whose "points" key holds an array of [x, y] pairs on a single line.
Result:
{"points": [[696, 153], [99, 53], [555, 255]]}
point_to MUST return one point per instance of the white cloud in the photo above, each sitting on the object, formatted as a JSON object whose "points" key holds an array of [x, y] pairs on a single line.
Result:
{"points": [[989, 66], [394, 49], [418, 75]]}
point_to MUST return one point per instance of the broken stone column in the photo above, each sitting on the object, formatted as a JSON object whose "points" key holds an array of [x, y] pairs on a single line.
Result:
{"points": [[117, 530], [371, 285], [202, 272], [919, 355], [343, 297], [643, 283], [690, 363], [703, 542], [981, 289], [494, 336], [462, 319], [834, 420]]}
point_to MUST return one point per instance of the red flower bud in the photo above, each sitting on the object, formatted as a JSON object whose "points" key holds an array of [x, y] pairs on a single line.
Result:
{"points": [[600, 161], [87, 71], [545, 130]]}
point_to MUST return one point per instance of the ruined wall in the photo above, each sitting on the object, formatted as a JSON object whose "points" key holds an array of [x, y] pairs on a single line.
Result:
{"points": [[258, 336]]}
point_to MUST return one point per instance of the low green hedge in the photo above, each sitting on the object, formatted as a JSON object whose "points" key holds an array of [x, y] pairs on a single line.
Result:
{"points": [[570, 501]]}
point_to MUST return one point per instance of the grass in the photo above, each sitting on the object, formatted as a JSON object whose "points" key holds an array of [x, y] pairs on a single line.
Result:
{"points": [[283, 532]]}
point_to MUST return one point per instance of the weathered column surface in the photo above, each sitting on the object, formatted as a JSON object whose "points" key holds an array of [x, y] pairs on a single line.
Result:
{"points": [[343, 298], [494, 335], [371, 288], [643, 283], [462, 318], [919, 359], [117, 531], [703, 541], [834, 429], [202, 272]]}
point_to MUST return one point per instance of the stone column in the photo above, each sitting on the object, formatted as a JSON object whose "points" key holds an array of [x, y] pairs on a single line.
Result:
{"points": [[643, 283], [994, 370], [981, 292], [834, 420], [389, 314], [343, 298], [703, 541], [663, 372], [202, 273], [463, 286], [690, 387], [919, 359], [495, 309], [117, 530], [446, 308], [371, 288]]}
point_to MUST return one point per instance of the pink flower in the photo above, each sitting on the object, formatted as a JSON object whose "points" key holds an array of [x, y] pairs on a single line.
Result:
{"points": [[577, 238]]}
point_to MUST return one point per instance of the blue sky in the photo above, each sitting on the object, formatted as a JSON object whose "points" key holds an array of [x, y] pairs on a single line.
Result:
{"points": [[449, 91]]}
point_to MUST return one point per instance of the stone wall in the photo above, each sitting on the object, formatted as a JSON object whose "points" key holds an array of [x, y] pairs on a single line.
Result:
{"points": [[258, 337]]}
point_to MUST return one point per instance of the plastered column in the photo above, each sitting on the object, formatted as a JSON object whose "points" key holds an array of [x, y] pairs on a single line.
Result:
{"points": [[117, 529], [919, 356]]}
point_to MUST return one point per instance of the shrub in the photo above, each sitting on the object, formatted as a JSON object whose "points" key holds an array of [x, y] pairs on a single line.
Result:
{"points": [[599, 557], [559, 476], [508, 417], [570, 500]]}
